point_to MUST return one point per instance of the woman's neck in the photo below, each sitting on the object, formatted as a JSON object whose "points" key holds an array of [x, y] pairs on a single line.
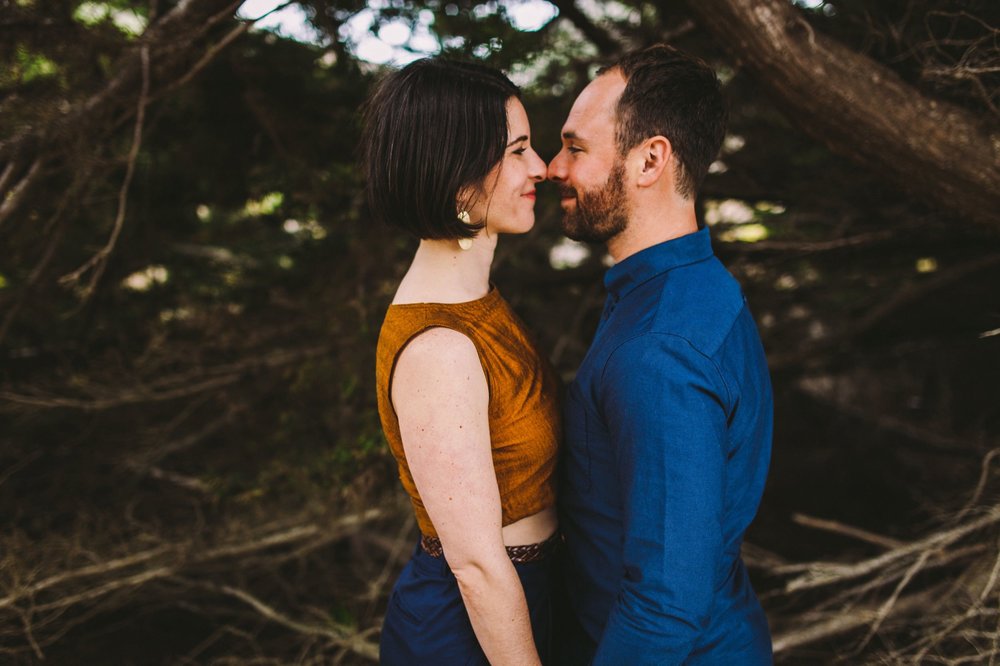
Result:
{"points": [[442, 272]]}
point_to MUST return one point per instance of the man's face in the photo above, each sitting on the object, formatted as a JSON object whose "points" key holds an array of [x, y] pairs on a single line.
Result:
{"points": [[589, 171]]}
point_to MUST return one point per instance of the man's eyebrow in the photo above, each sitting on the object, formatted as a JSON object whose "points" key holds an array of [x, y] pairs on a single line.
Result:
{"points": [[571, 136], [523, 137]]}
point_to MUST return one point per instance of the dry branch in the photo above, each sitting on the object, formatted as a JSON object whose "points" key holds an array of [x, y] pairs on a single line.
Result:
{"points": [[605, 42], [841, 623], [168, 387], [905, 296], [10, 202], [821, 574], [187, 22], [941, 153], [99, 261], [169, 559], [846, 530], [336, 634]]}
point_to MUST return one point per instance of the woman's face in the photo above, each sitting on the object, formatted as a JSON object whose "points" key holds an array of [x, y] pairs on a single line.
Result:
{"points": [[507, 203]]}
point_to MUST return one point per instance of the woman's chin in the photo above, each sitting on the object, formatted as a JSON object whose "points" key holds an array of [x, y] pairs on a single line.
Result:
{"points": [[516, 228]]}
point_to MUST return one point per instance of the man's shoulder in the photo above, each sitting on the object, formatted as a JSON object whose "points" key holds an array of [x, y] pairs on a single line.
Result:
{"points": [[699, 303]]}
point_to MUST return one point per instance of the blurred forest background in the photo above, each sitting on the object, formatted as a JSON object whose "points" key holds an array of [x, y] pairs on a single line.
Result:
{"points": [[191, 465]]}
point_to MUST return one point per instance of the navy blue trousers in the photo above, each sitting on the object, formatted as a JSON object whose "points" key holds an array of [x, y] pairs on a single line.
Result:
{"points": [[426, 621]]}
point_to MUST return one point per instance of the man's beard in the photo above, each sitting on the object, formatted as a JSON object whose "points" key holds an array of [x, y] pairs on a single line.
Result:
{"points": [[600, 214]]}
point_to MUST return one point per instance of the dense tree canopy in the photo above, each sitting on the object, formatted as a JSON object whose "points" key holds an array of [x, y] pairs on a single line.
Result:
{"points": [[191, 464]]}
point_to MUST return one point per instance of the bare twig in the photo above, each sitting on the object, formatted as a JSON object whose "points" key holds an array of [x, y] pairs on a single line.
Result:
{"points": [[142, 461], [99, 261], [173, 558], [171, 386], [827, 573], [10, 202], [399, 543], [984, 476], [84, 572], [846, 530], [6, 175], [890, 603], [905, 296], [935, 638], [841, 623], [55, 238], [335, 633], [216, 48]]}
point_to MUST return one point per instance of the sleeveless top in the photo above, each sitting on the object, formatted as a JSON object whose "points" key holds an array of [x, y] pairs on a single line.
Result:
{"points": [[524, 417]]}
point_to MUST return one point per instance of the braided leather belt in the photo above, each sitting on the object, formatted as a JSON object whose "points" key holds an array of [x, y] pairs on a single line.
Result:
{"points": [[517, 554]]}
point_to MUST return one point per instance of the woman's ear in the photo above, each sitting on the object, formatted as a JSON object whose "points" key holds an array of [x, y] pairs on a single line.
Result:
{"points": [[464, 203], [655, 154]]}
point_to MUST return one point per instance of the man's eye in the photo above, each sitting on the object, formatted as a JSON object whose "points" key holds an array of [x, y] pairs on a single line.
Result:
{"points": [[574, 149]]}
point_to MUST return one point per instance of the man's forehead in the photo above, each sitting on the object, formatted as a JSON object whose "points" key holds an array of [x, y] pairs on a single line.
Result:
{"points": [[596, 103]]}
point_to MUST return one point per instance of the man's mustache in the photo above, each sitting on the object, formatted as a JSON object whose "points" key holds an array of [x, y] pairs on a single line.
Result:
{"points": [[566, 191]]}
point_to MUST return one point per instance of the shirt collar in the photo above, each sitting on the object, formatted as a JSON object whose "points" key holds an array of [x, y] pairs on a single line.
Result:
{"points": [[660, 258]]}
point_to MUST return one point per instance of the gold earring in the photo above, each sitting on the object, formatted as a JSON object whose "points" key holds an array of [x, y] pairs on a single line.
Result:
{"points": [[465, 218]]}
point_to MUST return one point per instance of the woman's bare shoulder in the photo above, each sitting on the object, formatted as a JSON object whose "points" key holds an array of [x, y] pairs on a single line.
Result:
{"points": [[442, 350]]}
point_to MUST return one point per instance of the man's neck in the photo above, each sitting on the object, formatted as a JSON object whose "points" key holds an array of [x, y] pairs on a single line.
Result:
{"points": [[651, 225]]}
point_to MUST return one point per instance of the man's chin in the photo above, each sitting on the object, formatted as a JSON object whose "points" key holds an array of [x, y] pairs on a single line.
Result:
{"points": [[573, 231]]}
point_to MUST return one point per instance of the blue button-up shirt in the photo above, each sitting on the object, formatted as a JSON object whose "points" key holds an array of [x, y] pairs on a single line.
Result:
{"points": [[668, 437]]}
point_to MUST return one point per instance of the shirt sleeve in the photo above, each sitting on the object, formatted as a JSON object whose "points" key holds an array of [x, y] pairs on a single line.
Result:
{"points": [[665, 407]]}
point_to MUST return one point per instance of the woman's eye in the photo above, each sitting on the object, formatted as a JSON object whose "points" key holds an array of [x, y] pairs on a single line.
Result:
{"points": [[520, 151]]}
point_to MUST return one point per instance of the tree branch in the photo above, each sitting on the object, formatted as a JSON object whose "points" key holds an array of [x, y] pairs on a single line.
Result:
{"points": [[100, 260], [601, 38], [167, 560], [941, 153], [16, 196], [166, 41], [337, 634], [907, 295], [171, 386], [821, 574]]}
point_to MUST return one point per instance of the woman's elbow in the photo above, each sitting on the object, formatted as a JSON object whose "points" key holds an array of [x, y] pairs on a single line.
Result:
{"points": [[479, 571]]}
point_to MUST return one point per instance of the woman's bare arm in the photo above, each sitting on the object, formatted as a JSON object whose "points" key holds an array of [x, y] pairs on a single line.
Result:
{"points": [[441, 398]]}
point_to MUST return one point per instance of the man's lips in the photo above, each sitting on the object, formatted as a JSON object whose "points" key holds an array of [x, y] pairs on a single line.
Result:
{"points": [[567, 193]]}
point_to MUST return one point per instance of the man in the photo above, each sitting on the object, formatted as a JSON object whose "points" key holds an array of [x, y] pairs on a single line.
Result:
{"points": [[668, 422]]}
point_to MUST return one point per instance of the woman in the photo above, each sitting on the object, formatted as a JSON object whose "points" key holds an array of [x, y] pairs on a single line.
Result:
{"points": [[468, 405]]}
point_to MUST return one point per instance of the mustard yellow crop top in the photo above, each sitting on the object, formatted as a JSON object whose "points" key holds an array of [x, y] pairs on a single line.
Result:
{"points": [[524, 413]]}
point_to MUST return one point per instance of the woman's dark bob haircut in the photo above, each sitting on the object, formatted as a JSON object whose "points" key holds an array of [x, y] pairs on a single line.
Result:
{"points": [[432, 129]]}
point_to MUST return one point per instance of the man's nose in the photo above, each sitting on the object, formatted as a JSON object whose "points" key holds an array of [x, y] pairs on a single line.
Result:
{"points": [[556, 172]]}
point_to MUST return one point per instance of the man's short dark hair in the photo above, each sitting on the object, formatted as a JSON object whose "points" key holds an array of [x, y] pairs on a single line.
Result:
{"points": [[672, 94], [431, 129]]}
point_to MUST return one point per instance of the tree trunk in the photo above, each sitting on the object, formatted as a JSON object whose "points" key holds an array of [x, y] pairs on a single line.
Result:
{"points": [[942, 154]]}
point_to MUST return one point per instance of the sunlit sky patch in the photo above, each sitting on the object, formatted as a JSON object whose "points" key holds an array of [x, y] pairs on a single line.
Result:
{"points": [[393, 42]]}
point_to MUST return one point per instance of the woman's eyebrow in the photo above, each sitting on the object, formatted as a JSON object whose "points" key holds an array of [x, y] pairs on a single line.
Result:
{"points": [[523, 137]]}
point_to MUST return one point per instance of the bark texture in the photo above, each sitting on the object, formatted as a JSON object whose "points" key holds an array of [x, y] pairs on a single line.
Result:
{"points": [[944, 155]]}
